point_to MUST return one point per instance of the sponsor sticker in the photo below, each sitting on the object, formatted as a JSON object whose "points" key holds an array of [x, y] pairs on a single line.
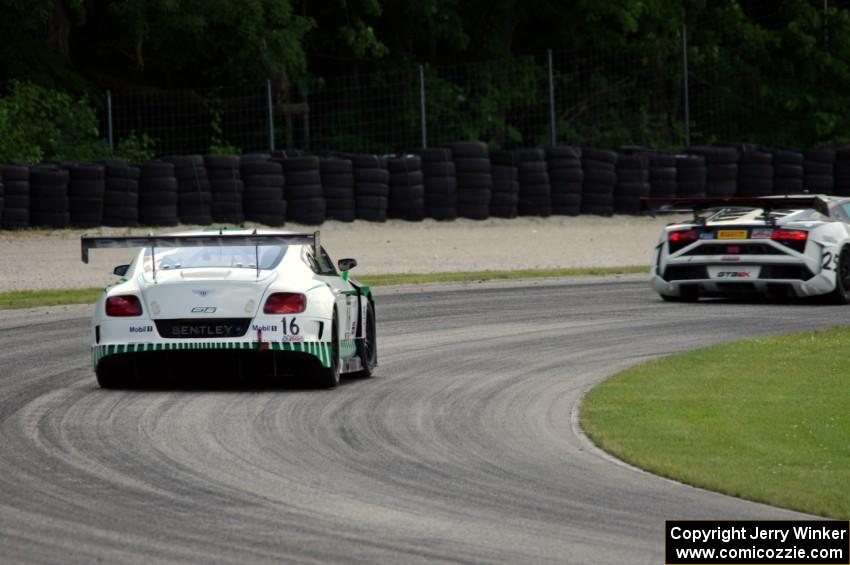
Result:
{"points": [[292, 338], [264, 327], [141, 329], [706, 235], [761, 233], [734, 273], [731, 234]]}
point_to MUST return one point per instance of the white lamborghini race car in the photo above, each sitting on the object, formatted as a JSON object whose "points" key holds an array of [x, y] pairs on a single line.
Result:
{"points": [[234, 302], [775, 245]]}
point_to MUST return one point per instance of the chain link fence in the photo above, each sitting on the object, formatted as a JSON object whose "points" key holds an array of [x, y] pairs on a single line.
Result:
{"points": [[549, 98]]}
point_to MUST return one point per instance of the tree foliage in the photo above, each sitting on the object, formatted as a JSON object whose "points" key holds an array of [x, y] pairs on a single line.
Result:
{"points": [[775, 72]]}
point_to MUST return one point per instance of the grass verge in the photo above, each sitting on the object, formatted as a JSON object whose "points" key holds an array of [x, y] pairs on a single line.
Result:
{"points": [[764, 419], [53, 297]]}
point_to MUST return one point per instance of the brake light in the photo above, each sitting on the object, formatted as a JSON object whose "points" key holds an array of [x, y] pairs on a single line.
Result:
{"points": [[786, 235], [127, 305], [682, 235], [285, 303]]}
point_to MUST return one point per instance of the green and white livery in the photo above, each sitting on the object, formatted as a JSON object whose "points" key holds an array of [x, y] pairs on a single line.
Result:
{"points": [[245, 302]]}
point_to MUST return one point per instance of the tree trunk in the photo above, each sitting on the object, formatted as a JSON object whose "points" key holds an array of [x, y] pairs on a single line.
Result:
{"points": [[59, 30]]}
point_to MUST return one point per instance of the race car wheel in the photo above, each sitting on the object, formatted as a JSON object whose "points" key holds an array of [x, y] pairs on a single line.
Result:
{"points": [[841, 292], [329, 377], [111, 373], [367, 348], [686, 294]]}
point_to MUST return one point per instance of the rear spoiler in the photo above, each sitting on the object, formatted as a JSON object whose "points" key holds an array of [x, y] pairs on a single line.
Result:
{"points": [[201, 240], [767, 203]]}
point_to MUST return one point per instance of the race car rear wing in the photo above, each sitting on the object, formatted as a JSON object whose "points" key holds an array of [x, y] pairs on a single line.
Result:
{"points": [[688, 204], [219, 239]]}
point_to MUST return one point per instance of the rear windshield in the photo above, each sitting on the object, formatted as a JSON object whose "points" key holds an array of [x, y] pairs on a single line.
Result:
{"points": [[230, 256]]}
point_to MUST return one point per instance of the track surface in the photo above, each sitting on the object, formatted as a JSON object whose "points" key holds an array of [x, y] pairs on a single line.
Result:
{"points": [[461, 448]]}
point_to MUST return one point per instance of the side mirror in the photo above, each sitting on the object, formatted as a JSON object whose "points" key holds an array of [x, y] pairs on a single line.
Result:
{"points": [[120, 270], [346, 264]]}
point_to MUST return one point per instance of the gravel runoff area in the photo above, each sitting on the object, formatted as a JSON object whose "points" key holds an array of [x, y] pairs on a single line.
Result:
{"points": [[40, 259]]}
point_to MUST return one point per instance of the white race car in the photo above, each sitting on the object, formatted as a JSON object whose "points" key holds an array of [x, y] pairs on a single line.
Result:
{"points": [[233, 302], [777, 246]]}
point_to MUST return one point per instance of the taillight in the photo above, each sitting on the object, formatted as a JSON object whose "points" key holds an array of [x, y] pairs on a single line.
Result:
{"points": [[682, 235], [285, 303], [127, 305], [792, 235]]}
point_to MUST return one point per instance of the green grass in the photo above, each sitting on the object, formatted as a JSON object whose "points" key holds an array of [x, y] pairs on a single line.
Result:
{"points": [[34, 298], [53, 297], [764, 419], [416, 278]]}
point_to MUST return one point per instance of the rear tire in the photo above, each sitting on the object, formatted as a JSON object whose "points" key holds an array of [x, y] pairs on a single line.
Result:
{"points": [[109, 375], [685, 295], [841, 292], [367, 348], [329, 377]]}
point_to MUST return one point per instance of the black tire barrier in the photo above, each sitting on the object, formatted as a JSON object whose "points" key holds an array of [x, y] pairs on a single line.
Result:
{"points": [[406, 188], [755, 173], [600, 177], [371, 187], [121, 194], [337, 177], [535, 191], [474, 179], [49, 196], [305, 203], [16, 188], [194, 184], [721, 169], [788, 173], [691, 175], [818, 170], [85, 193], [157, 194], [264, 190], [841, 171], [662, 174], [505, 197], [632, 183], [226, 188], [440, 183], [565, 179]]}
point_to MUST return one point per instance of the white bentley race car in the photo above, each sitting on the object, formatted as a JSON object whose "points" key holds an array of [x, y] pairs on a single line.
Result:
{"points": [[778, 246], [242, 302]]}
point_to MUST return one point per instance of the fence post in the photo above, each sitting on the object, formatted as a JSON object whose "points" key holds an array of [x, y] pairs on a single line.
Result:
{"points": [[422, 116], [685, 85], [553, 133], [109, 119], [270, 109]]}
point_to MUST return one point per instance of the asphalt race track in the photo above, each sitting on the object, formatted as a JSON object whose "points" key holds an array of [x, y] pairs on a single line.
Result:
{"points": [[462, 448]]}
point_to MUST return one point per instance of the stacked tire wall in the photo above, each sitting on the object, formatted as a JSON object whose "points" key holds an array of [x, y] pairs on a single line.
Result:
{"points": [[227, 191], [16, 197], [504, 202], [565, 179], [463, 179], [600, 178], [440, 182], [121, 194], [474, 179], [338, 188], [406, 189], [371, 187]]}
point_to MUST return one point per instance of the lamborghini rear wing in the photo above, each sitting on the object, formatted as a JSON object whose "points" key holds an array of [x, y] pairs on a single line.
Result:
{"points": [[686, 204], [200, 240]]}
